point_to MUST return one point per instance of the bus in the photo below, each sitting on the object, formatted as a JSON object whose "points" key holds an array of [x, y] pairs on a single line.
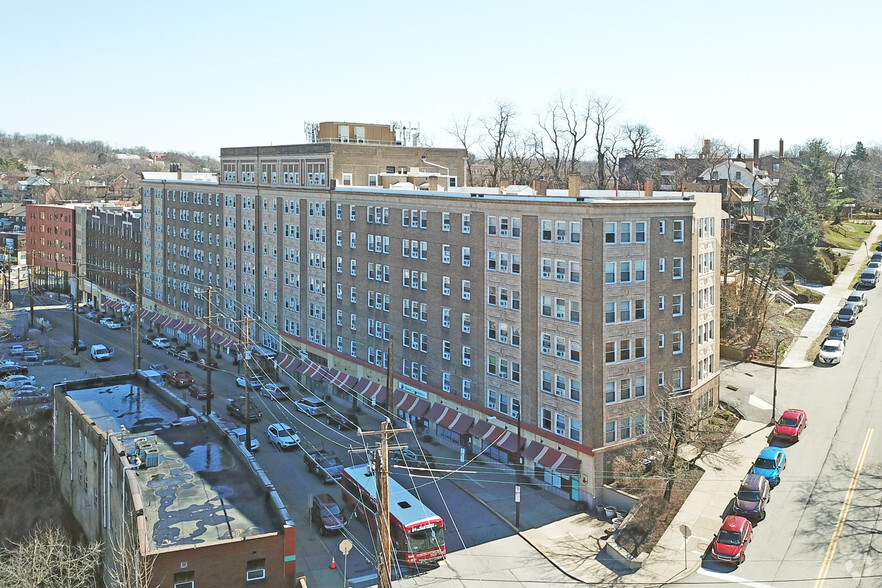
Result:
{"points": [[417, 532]]}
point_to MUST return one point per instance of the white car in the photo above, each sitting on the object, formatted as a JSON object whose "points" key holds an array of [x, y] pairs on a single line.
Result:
{"points": [[112, 324], [105, 320], [254, 384], [283, 436], [831, 351], [239, 435], [277, 392], [161, 343], [16, 382], [311, 405], [16, 350]]}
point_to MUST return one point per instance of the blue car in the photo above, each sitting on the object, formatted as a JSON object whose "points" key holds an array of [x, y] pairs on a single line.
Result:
{"points": [[769, 464]]}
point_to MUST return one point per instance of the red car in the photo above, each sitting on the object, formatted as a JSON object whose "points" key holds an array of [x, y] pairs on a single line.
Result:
{"points": [[790, 425], [732, 540], [199, 392], [178, 378]]}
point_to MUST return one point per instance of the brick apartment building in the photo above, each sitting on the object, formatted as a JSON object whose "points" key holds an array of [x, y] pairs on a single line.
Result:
{"points": [[562, 314]]}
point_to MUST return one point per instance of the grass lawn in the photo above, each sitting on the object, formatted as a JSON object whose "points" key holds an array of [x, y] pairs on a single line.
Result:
{"points": [[847, 235]]}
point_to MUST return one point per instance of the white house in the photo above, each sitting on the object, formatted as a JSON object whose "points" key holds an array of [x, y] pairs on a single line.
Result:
{"points": [[756, 182]]}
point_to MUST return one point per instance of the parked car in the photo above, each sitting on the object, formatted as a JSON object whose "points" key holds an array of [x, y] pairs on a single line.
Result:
{"points": [[343, 421], [80, 345], [276, 392], [311, 405], [838, 334], [16, 382], [858, 300], [203, 362], [869, 279], [325, 513], [240, 436], [187, 355], [30, 395], [92, 315], [30, 356], [12, 369], [236, 409], [254, 382], [770, 463], [831, 352], [732, 539], [324, 464], [161, 343], [283, 436], [847, 315], [792, 422], [104, 320], [199, 392], [752, 496], [16, 350], [875, 265], [178, 378], [412, 459]]}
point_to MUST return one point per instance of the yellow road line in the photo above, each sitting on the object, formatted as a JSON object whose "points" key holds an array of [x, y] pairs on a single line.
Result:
{"points": [[843, 513]]}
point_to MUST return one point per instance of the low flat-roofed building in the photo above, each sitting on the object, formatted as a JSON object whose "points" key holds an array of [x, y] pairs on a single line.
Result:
{"points": [[143, 476]]}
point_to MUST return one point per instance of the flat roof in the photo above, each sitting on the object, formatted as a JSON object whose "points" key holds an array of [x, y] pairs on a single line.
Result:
{"points": [[198, 492]]}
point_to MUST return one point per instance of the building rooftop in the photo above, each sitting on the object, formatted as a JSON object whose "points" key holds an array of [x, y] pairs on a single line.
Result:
{"points": [[198, 491]]}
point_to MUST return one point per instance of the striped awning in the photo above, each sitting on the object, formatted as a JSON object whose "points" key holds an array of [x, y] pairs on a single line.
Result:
{"points": [[114, 304], [413, 405], [455, 421], [375, 392], [436, 412], [310, 369], [509, 442], [189, 329], [486, 431], [285, 361], [163, 320], [551, 458], [344, 381], [148, 315], [176, 324]]}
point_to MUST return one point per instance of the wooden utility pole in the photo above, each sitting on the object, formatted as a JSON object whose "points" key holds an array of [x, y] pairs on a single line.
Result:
{"points": [[381, 476], [390, 379], [75, 307], [245, 353], [208, 292], [31, 292]]}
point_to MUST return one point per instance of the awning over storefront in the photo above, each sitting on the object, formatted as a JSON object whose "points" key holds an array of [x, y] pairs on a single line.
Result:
{"points": [[344, 381], [176, 324], [287, 362], [456, 421], [551, 458], [149, 316], [487, 432], [189, 329], [375, 392], [163, 320], [308, 368], [114, 304], [508, 442], [436, 412]]}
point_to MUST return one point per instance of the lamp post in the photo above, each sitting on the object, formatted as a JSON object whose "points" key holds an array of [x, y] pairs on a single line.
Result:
{"points": [[778, 341]]}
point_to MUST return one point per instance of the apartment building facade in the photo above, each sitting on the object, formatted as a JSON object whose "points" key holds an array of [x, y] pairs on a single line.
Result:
{"points": [[564, 314]]}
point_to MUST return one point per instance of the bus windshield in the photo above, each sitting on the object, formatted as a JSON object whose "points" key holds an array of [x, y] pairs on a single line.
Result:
{"points": [[425, 539]]}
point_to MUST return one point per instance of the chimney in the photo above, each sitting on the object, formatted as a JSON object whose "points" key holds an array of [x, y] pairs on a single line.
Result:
{"points": [[781, 148], [647, 188], [180, 173], [542, 187], [503, 184], [574, 183], [433, 183], [756, 152], [705, 149]]}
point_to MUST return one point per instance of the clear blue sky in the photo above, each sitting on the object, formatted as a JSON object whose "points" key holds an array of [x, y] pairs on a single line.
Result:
{"points": [[195, 76]]}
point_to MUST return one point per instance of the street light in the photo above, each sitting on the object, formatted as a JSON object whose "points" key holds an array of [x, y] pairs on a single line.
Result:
{"points": [[778, 341]]}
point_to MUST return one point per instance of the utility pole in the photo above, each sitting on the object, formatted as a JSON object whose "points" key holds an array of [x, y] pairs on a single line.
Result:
{"points": [[75, 306], [31, 292], [381, 476], [245, 354], [137, 356], [390, 379], [208, 292]]}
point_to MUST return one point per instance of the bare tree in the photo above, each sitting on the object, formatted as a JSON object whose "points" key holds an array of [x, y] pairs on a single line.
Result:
{"points": [[641, 147], [601, 111], [48, 557], [130, 569], [564, 126], [461, 130], [498, 136]]}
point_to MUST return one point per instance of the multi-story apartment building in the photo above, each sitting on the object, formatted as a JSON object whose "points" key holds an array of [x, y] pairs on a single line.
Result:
{"points": [[564, 314], [112, 257], [51, 241]]}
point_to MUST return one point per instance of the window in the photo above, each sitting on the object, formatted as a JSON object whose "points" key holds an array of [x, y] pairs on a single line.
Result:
{"points": [[185, 580], [491, 226], [640, 309], [610, 352], [661, 265], [609, 312], [575, 431], [575, 311], [545, 263], [575, 272], [610, 436], [445, 285], [677, 304], [466, 257], [575, 232], [546, 382], [640, 232], [546, 419], [445, 349], [640, 270], [466, 356], [639, 386], [466, 290], [609, 392], [677, 341], [625, 311], [661, 227], [677, 379], [560, 424], [256, 570], [546, 230], [625, 271], [625, 428], [661, 340], [466, 223], [624, 232], [610, 233], [445, 221], [678, 230], [624, 350], [639, 426], [661, 302], [625, 389], [609, 274], [661, 379], [677, 269], [639, 348]]}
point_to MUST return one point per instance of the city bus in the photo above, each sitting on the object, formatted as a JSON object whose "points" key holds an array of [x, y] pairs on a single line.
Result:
{"points": [[417, 532]]}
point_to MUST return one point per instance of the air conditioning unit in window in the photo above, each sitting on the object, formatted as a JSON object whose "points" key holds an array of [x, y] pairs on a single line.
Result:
{"points": [[515, 414], [559, 431], [560, 315], [560, 354], [503, 303]]}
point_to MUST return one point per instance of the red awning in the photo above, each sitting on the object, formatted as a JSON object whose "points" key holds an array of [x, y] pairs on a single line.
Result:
{"points": [[361, 385], [456, 421], [549, 457], [414, 405], [190, 329], [436, 412], [488, 432], [309, 369], [200, 333], [508, 442], [114, 304], [163, 320], [324, 374], [176, 324], [287, 362], [375, 392], [567, 466], [149, 316], [533, 450], [344, 381]]}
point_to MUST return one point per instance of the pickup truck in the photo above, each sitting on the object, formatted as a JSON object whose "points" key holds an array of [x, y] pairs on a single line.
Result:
{"points": [[101, 352], [236, 409]]}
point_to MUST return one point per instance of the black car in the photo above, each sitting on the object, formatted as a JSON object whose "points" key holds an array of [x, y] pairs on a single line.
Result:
{"points": [[13, 370], [838, 334], [343, 421]]}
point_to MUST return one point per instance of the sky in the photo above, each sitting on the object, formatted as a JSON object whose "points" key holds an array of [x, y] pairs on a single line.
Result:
{"points": [[195, 76]]}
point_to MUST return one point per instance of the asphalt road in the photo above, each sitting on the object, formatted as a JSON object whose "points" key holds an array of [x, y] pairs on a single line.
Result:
{"points": [[823, 519]]}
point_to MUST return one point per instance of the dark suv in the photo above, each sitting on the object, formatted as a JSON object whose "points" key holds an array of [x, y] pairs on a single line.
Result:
{"points": [[326, 513], [847, 315], [751, 499], [343, 421]]}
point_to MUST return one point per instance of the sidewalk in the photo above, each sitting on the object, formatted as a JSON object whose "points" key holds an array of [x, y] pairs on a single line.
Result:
{"points": [[829, 305]]}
